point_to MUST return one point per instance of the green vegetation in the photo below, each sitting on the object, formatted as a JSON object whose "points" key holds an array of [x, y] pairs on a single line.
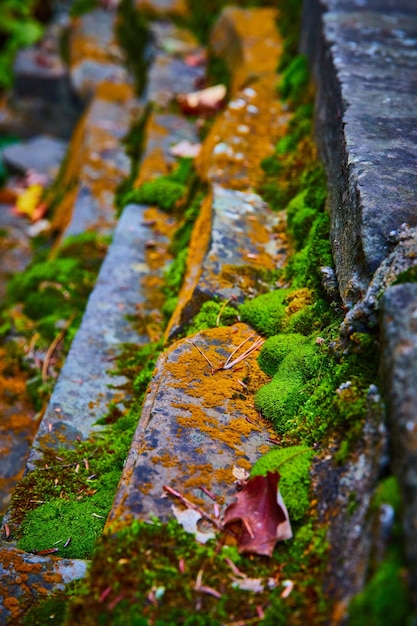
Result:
{"points": [[212, 313], [165, 191], [167, 591], [18, 29], [46, 302], [385, 599], [293, 463], [70, 493]]}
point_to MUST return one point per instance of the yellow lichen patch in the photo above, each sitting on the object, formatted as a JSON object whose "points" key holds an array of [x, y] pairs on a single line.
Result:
{"points": [[162, 8], [242, 136], [249, 41]]}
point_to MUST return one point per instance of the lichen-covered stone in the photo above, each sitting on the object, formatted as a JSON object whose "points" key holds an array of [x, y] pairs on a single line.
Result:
{"points": [[403, 258], [163, 8], [96, 163], [249, 42], [363, 61], [169, 74], [162, 131], [197, 423], [237, 239], [95, 55], [399, 369], [85, 387], [242, 136], [42, 154], [26, 578]]}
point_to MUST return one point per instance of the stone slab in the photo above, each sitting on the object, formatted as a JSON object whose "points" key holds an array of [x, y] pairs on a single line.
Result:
{"points": [[96, 163], [363, 59], [26, 578], [162, 131], [42, 153], [236, 239], [399, 371], [242, 136], [195, 426], [85, 386], [249, 42], [95, 55]]}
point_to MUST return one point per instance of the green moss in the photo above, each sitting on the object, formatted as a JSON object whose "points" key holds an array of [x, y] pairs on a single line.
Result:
{"points": [[133, 35], [295, 79], [293, 463], [162, 192], [165, 191], [266, 313], [276, 348], [56, 521], [80, 7], [408, 276], [212, 314], [126, 564], [384, 601]]}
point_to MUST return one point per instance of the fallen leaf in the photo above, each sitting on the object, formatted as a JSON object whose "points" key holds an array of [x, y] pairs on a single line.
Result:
{"points": [[196, 59], [249, 584], [188, 519], [240, 473], [186, 149], [204, 101], [259, 518]]}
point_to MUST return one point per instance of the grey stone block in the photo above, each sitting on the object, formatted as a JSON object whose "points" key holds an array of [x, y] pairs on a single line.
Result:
{"points": [[363, 60]]}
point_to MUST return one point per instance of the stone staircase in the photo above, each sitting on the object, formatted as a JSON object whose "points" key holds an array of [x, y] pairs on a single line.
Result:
{"points": [[198, 419]]}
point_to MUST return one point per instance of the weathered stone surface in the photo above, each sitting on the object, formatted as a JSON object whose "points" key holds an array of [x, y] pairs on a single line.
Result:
{"points": [[249, 42], [43, 154], [244, 134], [399, 370], [162, 131], [169, 74], [96, 163], [236, 239], [196, 425], [85, 387], [26, 578], [343, 495], [95, 55], [365, 313], [363, 61]]}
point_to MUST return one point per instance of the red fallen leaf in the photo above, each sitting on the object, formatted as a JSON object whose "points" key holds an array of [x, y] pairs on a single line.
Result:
{"points": [[259, 516], [204, 101]]}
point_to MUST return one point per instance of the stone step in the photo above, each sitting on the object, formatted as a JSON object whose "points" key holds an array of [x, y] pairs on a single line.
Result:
{"points": [[96, 163], [198, 422], [236, 242], [95, 55], [31, 577]]}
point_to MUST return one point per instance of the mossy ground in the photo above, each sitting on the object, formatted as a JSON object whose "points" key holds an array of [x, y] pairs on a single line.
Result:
{"points": [[168, 591]]}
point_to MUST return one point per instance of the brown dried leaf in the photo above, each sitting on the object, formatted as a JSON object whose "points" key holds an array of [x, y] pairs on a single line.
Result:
{"points": [[259, 517]]}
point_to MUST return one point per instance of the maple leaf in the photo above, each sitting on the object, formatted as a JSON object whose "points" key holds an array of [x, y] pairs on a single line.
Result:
{"points": [[259, 517]]}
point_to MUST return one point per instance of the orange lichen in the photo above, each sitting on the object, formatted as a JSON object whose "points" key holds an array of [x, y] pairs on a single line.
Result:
{"points": [[250, 43], [244, 134]]}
